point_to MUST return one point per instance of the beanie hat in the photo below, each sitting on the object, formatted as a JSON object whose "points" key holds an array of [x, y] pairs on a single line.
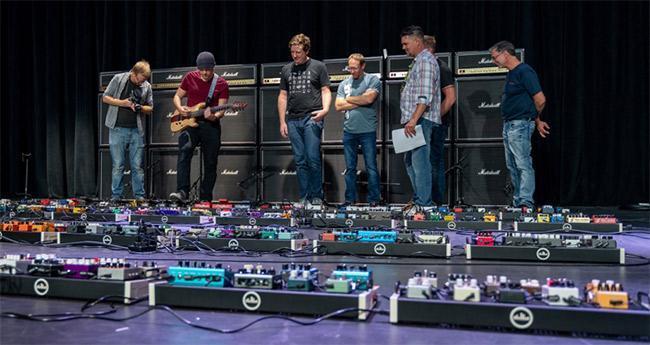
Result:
{"points": [[205, 60]]}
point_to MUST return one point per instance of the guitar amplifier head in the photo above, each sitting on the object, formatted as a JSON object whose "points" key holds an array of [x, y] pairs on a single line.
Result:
{"points": [[238, 75], [271, 73], [105, 78], [480, 62], [398, 65], [337, 69]]}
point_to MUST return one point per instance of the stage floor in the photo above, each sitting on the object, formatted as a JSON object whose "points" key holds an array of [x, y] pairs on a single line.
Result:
{"points": [[160, 327]]}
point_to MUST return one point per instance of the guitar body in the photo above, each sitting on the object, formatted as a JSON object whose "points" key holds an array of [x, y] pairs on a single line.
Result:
{"points": [[180, 122]]}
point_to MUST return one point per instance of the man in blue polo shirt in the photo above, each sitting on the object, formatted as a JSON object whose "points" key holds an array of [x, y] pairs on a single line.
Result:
{"points": [[357, 97], [522, 103]]}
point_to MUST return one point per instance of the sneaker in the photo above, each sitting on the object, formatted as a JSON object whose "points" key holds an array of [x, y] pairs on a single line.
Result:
{"points": [[179, 196], [375, 204], [300, 203], [408, 206], [316, 201]]}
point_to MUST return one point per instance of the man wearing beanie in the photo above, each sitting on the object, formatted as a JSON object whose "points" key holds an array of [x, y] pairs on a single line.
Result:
{"points": [[303, 103], [196, 87]]}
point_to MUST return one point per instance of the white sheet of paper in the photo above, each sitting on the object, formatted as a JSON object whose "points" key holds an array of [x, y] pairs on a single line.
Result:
{"points": [[402, 143]]}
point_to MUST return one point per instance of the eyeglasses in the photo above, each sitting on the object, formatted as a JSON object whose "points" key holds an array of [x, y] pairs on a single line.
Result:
{"points": [[494, 57]]}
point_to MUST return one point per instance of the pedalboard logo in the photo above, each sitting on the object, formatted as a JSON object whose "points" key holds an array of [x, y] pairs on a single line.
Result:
{"points": [[252, 300], [107, 239], [451, 225], [521, 318], [380, 249], [349, 222], [41, 287], [233, 244], [543, 254]]}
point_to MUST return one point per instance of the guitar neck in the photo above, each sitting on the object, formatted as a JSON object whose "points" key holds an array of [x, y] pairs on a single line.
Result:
{"points": [[214, 109]]}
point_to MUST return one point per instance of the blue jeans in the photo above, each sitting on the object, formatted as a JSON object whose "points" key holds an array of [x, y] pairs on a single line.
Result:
{"points": [[351, 142], [305, 136], [516, 141], [121, 139], [438, 135], [418, 166]]}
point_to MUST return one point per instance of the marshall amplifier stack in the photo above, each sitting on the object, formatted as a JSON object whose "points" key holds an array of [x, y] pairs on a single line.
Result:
{"points": [[482, 177]]}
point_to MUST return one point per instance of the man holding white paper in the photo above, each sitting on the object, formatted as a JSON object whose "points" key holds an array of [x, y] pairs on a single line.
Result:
{"points": [[420, 105]]}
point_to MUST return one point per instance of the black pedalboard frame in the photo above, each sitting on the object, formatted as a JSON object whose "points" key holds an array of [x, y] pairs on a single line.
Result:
{"points": [[421, 250], [59, 287], [259, 300], [635, 323], [545, 254], [252, 244], [567, 227]]}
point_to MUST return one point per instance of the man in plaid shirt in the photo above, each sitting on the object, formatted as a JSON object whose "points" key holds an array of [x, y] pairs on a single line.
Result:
{"points": [[420, 105]]}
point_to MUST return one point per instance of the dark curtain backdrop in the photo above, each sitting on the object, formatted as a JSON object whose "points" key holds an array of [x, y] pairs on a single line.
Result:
{"points": [[592, 59]]}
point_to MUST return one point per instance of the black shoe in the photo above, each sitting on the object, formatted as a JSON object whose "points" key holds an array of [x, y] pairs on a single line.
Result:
{"points": [[375, 204], [345, 204], [179, 196]]}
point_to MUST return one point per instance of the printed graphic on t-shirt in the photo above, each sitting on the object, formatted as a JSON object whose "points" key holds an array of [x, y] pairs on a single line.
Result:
{"points": [[299, 81]]}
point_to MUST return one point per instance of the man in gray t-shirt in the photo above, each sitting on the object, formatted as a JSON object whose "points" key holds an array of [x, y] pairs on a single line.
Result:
{"points": [[357, 97]]}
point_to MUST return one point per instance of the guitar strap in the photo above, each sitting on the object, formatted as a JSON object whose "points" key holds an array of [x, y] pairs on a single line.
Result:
{"points": [[208, 99]]}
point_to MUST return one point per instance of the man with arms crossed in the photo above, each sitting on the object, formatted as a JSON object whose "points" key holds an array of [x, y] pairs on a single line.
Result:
{"points": [[357, 96]]}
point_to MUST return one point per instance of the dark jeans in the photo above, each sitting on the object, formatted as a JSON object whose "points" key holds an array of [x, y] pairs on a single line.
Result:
{"points": [[438, 135], [367, 141], [305, 136], [209, 137]]}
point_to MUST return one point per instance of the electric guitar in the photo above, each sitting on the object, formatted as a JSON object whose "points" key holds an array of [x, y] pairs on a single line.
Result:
{"points": [[179, 122]]}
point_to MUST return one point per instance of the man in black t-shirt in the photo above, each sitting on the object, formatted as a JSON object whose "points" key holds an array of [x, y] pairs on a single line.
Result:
{"points": [[448, 98], [303, 103]]}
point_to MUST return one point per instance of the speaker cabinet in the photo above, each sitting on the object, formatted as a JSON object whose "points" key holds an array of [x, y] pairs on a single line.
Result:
{"points": [[237, 174], [399, 188], [163, 171], [240, 127], [105, 174], [393, 112], [270, 123], [484, 178], [478, 110], [163, 108], [334, 174], [102, 133], [279, 181]]}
